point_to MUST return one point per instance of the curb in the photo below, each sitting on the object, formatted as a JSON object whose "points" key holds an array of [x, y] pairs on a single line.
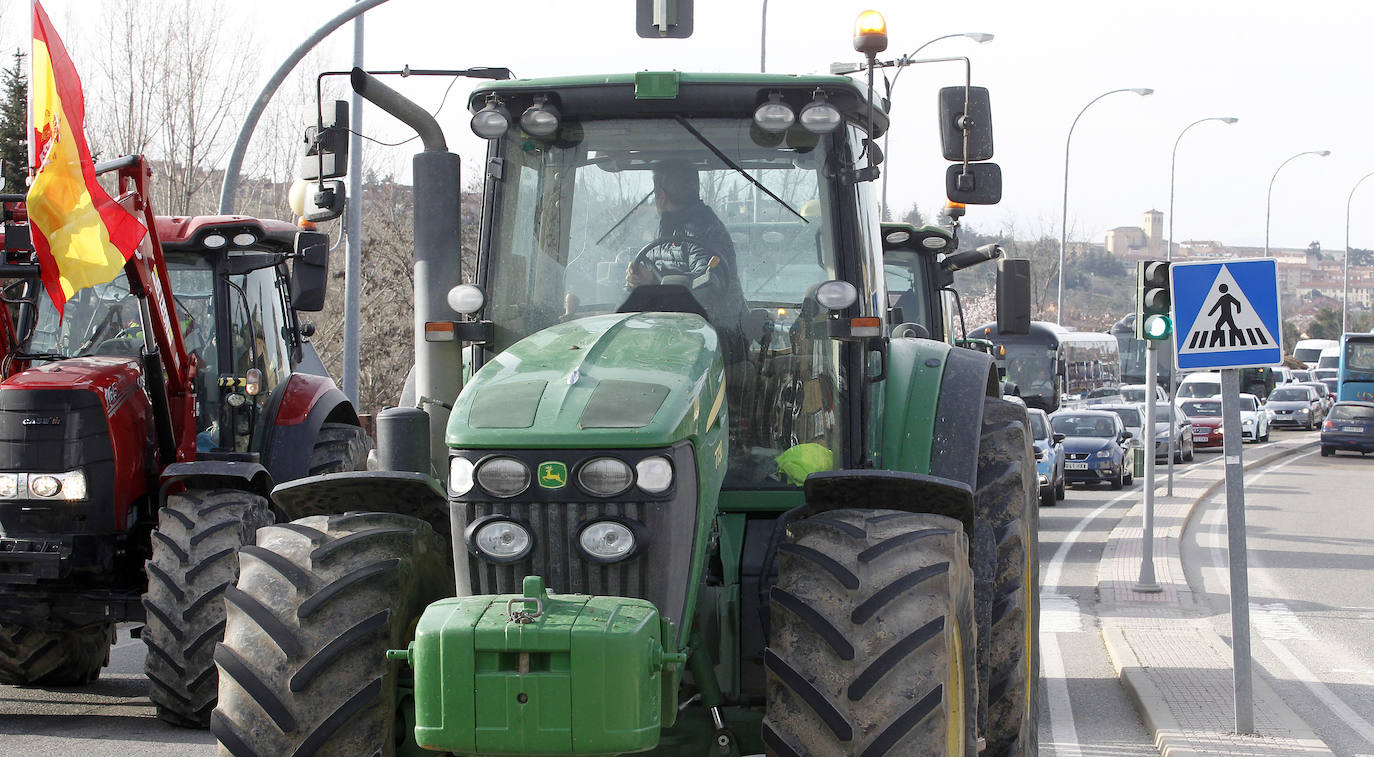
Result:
{"points": [[1169, 738]]}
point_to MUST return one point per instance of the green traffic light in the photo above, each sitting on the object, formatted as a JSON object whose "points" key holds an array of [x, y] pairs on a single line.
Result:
{"points": [[1157, 326]]}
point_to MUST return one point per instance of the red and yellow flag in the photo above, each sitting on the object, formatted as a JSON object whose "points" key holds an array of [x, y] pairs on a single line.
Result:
{"points": [[81, 235]]}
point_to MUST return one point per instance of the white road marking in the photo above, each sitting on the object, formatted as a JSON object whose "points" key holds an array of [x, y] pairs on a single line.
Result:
{"points": [[1062, 726], [1275, 621]]}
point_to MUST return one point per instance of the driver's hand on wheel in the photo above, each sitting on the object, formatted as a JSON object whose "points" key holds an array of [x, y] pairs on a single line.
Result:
{"points": [[637, 275]]}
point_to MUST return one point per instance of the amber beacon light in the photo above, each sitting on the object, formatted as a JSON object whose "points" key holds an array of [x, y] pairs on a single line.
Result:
{"points": [[870, 33]]}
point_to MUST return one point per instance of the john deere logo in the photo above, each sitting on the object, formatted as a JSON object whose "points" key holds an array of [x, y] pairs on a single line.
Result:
{"points": [[553, 475]]}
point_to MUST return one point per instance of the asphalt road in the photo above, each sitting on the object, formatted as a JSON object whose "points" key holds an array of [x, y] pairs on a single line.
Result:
{"points": [[1310, 546]]}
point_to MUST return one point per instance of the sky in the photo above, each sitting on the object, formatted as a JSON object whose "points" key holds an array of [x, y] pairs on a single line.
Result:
{"points": [[1297, 76]]}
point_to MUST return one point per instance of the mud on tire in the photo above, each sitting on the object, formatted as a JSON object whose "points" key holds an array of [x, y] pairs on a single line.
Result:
{"points": [[339, 447], [1006, 566], [872, 643], [49, 657], [195, 558], [318, 602]]}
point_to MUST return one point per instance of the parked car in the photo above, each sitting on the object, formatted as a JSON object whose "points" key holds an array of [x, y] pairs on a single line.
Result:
{"points": [[1350, 426], [1183, 435], [1205, 415], [1254, 420], [1328, 399], [1049, 457], [1094, 447], [1295, 405], [1135, 393]]}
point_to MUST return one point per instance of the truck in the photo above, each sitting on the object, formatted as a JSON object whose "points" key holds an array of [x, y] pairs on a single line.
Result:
{"points": [[141, 433], [747, 506]]}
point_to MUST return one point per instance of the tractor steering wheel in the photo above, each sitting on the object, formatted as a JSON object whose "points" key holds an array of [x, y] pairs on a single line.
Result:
{"points": [[662, 267]]}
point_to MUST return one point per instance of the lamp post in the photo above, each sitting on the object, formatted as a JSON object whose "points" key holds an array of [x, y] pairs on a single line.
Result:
{"points": [[763, 37], [1269, 198], [1064, 223], [1169, 255], [979, 37], [1345, 274]]}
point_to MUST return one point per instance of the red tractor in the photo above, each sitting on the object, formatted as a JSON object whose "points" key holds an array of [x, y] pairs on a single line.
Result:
{"points": [[141, 432]]}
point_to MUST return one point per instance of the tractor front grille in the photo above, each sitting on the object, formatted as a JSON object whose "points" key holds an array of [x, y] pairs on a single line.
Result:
{"points": [[555, 557]]}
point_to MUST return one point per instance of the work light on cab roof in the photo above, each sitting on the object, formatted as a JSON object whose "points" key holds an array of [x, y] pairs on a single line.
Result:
{"points": [[540, 119], [492, 120], [870, 33], [818, 116]]}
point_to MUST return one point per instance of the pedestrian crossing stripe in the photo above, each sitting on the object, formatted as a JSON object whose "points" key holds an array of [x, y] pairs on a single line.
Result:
{"points": [[1227, 321]]}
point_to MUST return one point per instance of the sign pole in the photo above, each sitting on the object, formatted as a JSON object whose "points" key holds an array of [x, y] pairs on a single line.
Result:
{"points": [[1147, 583], [1235, 537]]}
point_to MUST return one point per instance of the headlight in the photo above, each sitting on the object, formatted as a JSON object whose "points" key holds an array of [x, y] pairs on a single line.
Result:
{"points": [[655, 474], [605, 476], [774, 116], [606, 541], [501, 540], [9, 484], [44, 486], [1044, 480], [503, 476], [74, 486], [459, 476], [1104, 453]]}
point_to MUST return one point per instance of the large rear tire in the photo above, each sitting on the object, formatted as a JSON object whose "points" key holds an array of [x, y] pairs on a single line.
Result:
{"points": [[1006, 566], [42, 657], [319, 601], [195, 558], [872, 644], [339, 447]]}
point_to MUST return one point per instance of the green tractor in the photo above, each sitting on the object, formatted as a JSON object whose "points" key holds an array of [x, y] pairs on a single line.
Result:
{"points": [[748, 506]]}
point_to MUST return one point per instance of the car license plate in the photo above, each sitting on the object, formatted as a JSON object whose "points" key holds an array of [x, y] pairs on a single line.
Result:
{"points": [[1356, 429], [1199, 437], [1075, 466]]}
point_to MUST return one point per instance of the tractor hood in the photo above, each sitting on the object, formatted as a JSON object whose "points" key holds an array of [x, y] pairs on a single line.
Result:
{"points": [[622, 380], [112, 378]]}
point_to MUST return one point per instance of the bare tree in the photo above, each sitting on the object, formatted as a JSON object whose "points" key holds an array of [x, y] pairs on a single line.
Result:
{"points": [[131, 60]]}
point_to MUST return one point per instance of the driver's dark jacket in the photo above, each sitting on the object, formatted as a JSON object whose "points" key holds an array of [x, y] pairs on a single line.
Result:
{"points": [[698, 223]]}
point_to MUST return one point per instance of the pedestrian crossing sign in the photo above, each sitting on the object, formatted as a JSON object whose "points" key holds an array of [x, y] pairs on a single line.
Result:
{"points": [[1226, 315]]}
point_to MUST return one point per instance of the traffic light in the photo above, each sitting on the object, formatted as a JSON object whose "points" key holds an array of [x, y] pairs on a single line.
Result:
{"points": [[1152, 300]]}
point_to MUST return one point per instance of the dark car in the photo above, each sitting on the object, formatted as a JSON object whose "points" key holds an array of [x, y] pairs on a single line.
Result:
{"points": [[1328, 397], [1049, 457], [1349, 426], [1205, 415], [1095, 446], [1296, 405]]}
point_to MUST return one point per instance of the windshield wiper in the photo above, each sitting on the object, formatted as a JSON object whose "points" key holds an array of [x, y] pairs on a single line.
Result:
{"points": [[40, 356], [623, 218], [727, 161]]}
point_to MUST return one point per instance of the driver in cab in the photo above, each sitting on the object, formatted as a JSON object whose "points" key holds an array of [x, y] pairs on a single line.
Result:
{"points": [[682, 215]]}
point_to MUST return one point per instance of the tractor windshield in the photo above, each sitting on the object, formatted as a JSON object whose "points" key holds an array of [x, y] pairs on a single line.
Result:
{"points": [[738, 217]]}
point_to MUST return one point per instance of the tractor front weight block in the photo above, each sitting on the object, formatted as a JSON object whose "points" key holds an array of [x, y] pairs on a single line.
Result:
{"points": [[540, 673]]}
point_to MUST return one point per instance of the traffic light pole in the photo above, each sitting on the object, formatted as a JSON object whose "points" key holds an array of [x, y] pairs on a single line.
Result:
{"points": [[1147, 583]]}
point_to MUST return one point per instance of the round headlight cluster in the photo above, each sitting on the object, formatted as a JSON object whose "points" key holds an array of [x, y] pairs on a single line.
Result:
{"points": [[655, 474], [501, 540], [605, 476], [460, 476], [503, 476], [606, 541], [45, 486]]}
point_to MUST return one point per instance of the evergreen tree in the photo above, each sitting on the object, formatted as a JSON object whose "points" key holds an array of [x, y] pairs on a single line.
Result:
{"points": [[14, 137]]}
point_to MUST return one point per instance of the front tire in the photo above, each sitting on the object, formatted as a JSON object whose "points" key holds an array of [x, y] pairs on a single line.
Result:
{"points": [[1006, 580], [872, 646], [195, 558], [319, 601], [339, 448], [42, 657]]}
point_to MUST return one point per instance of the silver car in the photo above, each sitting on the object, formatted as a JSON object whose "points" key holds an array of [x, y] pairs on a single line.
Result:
{"points": [[1183, 435], [1295, 405]]}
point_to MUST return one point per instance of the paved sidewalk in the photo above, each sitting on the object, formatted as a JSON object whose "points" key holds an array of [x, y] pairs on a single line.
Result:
{"points": [[1172, 663]]}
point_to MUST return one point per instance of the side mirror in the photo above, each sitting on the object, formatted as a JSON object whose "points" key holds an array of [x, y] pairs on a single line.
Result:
{"points": [[310, 271], [325, 201], [1059, 438], [1125, 435], [1039, 454], [981, 184], [326, 145], [1013, 296], [966, 109]]}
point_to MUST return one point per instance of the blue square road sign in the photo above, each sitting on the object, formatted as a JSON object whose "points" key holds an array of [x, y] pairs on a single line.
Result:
{"points": [[1226, 314]]}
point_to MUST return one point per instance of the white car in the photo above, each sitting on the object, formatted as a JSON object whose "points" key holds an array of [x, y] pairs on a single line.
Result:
{"points": [[1254, 419], [1135, 393]]}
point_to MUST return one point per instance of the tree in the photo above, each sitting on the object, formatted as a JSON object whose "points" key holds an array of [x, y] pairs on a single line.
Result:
{"points": [[1327, 325], [14, 129], [1291, 335]]}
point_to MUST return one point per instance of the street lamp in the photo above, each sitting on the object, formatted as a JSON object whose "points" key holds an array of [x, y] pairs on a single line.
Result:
{"points": [[1169, 255], [1268, 199], [1064, 225], [902, 63], [1345, 275]]}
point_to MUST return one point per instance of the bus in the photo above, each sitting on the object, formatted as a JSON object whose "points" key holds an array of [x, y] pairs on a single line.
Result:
{"points": [[1051, 362], [1132, 352], [1355, 380]]}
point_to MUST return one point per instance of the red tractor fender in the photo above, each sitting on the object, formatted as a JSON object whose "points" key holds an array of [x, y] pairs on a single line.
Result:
{"points": [[294, 414]]}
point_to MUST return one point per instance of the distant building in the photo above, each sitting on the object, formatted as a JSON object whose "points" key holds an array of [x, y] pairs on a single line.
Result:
{"points": [[1123, 240], [1154, 229]]}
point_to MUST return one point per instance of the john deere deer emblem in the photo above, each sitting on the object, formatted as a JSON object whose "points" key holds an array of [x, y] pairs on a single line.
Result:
{"points": [[553, 475]]}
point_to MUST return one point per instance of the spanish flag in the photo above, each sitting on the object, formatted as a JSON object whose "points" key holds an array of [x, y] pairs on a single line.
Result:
{"points": [[81, 235]]}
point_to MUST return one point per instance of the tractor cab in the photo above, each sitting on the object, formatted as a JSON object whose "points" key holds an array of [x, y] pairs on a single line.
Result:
{"points": [[610, 198], [234, 306]]}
